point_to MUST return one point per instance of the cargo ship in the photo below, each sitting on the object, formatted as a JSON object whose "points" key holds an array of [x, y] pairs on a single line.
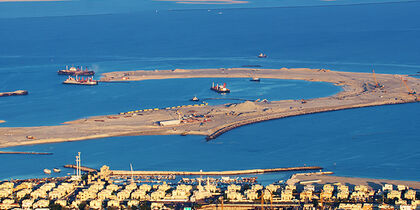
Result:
{"points": [[80, 81], [76, 71], [262, 55], [219, 88]]}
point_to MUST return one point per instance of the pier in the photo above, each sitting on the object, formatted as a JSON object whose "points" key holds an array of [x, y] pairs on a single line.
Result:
{"points": [[82, 168], [204, 173], [214, 173]]}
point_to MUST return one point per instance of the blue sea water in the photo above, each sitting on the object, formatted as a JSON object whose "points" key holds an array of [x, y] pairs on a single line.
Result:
{"points": [[39, 38]]}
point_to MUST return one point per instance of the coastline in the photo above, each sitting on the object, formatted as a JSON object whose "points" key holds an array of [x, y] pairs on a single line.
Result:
{"points": [[371, 182], [357, 91]]}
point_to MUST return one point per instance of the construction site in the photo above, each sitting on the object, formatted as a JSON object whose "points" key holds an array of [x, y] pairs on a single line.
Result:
{"points": [[358, 90]]}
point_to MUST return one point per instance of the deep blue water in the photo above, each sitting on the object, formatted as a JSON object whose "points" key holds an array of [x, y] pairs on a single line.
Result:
{"points": [[374, 142], [39, 38]]}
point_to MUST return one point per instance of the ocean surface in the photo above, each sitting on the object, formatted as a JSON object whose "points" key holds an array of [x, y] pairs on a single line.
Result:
{"points": [[39, 38]]}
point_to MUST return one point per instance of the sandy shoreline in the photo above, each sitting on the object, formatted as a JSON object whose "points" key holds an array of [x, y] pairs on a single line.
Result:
{"points": [[371, 183], [358, 91]]}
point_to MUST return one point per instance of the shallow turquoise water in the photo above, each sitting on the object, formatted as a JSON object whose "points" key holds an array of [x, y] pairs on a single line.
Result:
{"points": [[370, 142]]}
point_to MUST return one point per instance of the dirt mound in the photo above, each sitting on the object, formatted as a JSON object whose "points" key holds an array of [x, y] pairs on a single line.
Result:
{"points": [[246, 106]]}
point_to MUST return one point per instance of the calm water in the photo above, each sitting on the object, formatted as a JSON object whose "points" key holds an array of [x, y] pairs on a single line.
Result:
{"points": [[371, 142], [51, 103], [361, 142]]}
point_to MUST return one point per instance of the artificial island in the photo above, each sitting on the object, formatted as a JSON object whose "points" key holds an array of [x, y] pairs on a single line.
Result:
{"points": [[358, 90]]}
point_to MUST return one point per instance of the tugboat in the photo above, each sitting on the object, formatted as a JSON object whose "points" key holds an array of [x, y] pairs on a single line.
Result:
{"points": [[80, 81], [76, 71], [255, 79], [262, 55], [219, 88], [195, 99]]}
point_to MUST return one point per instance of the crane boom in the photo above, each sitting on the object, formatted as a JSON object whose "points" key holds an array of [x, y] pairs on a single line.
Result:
{"points": [[410, 91], [374, 77]]}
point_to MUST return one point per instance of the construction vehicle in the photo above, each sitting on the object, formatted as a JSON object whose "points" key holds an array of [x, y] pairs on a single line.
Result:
{"points": [[377, 85], [410, 91]]}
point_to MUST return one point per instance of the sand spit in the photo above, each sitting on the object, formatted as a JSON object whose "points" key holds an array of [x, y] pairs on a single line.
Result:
{"points": [[358, 91], [371, 183]]}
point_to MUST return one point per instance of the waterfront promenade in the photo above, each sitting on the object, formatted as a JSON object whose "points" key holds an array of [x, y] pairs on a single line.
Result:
{"points": [[358, 90]]}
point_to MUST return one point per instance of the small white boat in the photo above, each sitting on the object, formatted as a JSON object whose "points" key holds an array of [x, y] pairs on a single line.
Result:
{"points": [[47, 171], [255, 79], [195, 99], [262, 55], [56, 170]]}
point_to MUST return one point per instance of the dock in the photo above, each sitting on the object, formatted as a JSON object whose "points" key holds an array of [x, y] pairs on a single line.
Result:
{"points": [[215, 173], [204, 173], [82, 168]]}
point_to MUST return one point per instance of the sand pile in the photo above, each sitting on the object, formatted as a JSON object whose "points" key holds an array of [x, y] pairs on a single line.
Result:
{"points": [[246, 106]]}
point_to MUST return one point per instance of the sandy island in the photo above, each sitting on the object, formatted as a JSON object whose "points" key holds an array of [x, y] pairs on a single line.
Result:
{"points": [[358, 91]]}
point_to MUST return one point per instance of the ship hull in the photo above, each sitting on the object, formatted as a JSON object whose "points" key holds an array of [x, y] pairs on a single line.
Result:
{"points": [[80, 83], [73, 73], [220, 91]]}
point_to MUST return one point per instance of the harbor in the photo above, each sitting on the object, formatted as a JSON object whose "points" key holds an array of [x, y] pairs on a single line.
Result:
{"points": [[102, 189], [358, 90]]}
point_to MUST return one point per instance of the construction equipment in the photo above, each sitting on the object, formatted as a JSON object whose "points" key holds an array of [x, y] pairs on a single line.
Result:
{"points": [[410, 91], [377, 85]]}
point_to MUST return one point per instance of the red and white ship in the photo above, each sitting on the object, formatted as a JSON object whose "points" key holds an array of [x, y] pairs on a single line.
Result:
{"points": [[220, 88]]}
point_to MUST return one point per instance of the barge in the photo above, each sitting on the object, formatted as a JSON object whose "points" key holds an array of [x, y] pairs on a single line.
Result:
{"points": [[76, 71], [80, 81]]}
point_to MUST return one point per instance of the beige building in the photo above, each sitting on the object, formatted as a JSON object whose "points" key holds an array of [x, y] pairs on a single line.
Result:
{"points": [[287, 195], [95, 204], [113, 203], [394, 194], [305, 196], [41, 204], [410, 195], [251, 195]]}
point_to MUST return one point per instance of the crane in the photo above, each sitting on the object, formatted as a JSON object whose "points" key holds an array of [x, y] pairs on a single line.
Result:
{"points": [[410, 91], [377, 85]]}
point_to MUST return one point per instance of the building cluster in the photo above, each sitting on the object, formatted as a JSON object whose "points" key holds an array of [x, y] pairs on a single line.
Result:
{"points": [[98, 190]]}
